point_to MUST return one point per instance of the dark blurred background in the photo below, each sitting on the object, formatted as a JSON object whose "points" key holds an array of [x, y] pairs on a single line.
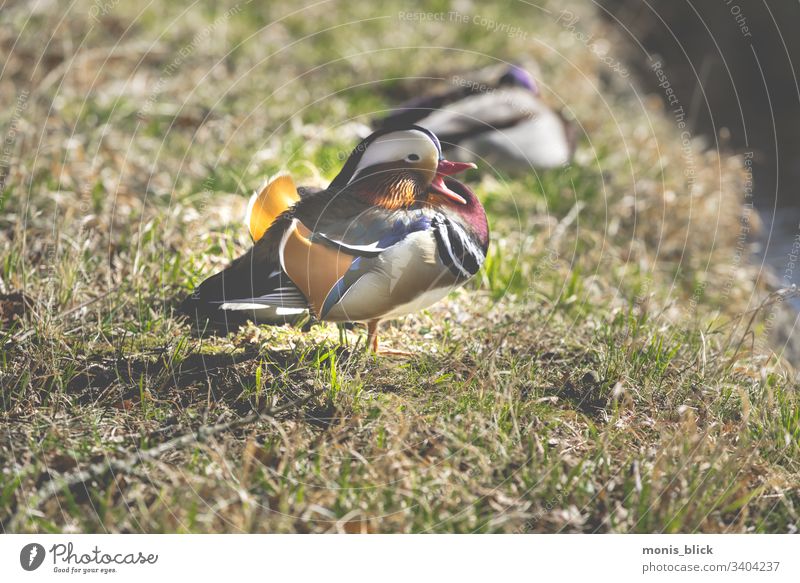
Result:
{"points": [[732, 65]]}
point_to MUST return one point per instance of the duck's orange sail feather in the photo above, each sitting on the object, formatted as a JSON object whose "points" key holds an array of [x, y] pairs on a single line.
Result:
{"points": [[265, 206]]}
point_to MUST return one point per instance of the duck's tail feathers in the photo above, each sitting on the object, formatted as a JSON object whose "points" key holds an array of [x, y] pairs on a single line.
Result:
{"points": [[245, 291], [221, 319], [266, 204]]}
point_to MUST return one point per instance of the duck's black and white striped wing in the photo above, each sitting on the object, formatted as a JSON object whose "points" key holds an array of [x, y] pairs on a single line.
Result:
{"points": [[457, 250]]}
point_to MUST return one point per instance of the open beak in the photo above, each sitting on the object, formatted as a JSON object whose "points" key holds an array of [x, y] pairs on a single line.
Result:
{"points": [[447, 168]]}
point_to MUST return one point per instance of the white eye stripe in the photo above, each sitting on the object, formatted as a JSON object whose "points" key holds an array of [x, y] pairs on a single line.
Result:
{"points": [[394, 146]]}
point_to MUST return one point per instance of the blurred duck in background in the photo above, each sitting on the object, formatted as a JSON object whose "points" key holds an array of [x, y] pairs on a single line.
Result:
{"points": [[493, 115]]}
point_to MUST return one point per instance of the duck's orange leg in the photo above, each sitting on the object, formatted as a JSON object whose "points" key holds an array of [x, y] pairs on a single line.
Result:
{"points": [[372, 335], [372, 341]]}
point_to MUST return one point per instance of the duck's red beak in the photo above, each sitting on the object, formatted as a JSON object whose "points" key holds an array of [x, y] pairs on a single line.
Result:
{"points": [[448, 168]]}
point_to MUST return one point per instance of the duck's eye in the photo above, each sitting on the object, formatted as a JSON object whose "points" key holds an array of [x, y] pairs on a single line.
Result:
{"points": [[412, 157]]}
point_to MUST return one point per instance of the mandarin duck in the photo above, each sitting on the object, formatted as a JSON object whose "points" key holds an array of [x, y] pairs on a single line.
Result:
{"points": [[496, 115], [392, 234]]}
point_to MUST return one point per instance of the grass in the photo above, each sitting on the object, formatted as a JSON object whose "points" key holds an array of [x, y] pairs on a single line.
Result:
{"points": [[607, 372]]}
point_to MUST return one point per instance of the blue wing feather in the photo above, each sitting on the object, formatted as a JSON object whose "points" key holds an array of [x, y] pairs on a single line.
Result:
{"points": [[373, 242], [399, 230]]}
